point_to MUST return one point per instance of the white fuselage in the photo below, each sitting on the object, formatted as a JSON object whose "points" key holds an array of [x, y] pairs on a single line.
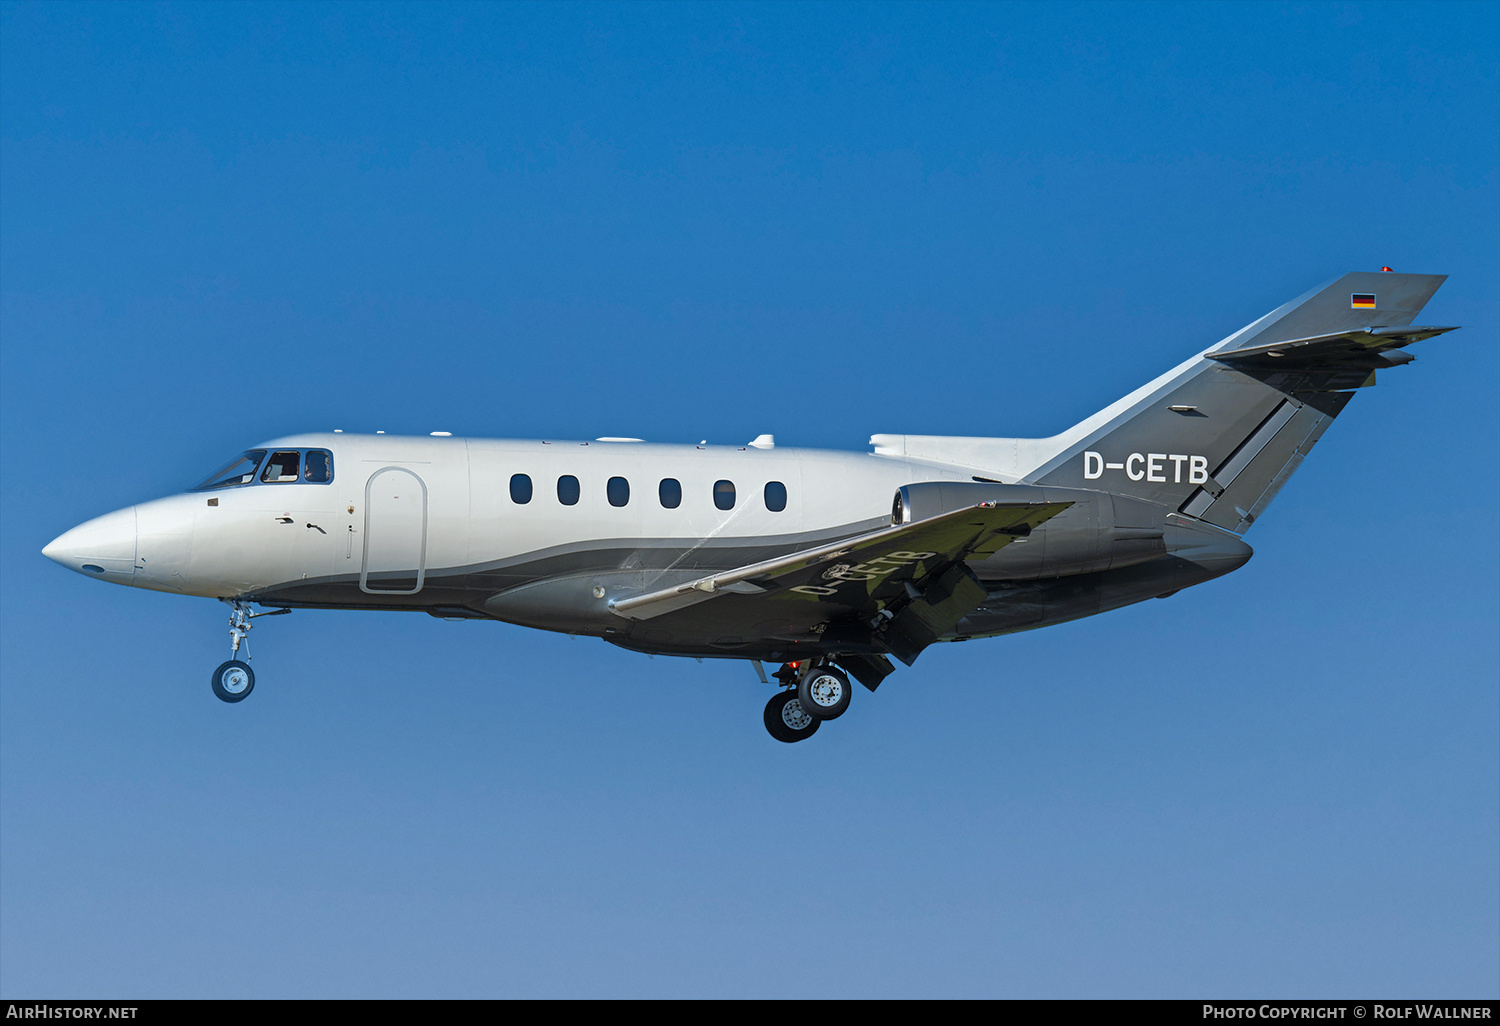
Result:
{"points": [[560, 535], [437, 505]]}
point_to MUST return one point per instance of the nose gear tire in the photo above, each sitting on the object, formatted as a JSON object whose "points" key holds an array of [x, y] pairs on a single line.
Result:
{"points": [[233, 681]]}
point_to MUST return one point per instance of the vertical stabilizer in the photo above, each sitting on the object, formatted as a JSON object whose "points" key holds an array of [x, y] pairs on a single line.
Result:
{"points": [[1219, 435]]}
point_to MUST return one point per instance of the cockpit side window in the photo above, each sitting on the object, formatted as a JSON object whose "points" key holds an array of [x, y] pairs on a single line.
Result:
{"points": [[318, 468], [282, 467], [238, 471]]}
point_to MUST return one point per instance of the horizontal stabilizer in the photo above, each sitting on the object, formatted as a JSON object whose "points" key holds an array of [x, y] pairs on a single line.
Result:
{"points": [[1361, 347]]}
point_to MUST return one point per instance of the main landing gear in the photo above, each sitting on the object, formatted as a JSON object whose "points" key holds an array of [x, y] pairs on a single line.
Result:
{"points": [[233, 681], [814, 692]]}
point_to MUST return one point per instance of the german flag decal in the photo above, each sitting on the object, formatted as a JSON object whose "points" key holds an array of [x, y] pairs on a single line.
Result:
{"points": [[1362, 301]]}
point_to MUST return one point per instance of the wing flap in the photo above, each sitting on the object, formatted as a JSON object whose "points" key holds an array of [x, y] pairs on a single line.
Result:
{"points": [[948, 599], [861, 573]]}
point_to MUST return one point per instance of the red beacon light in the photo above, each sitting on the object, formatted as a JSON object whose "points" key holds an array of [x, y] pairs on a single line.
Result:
{"points": [[1387, 269]]}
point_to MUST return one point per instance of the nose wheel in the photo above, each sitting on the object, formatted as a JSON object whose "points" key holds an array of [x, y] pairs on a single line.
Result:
{"points": [[233, 681]]}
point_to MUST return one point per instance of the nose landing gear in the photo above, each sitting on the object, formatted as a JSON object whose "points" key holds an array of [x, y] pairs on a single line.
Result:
{"points": [[233, 681]]}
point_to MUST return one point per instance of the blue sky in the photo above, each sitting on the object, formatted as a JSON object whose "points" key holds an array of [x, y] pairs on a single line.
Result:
{"points": [[223, 223]]}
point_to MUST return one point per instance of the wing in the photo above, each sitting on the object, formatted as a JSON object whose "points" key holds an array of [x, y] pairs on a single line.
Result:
{"points": [[907, 582]]}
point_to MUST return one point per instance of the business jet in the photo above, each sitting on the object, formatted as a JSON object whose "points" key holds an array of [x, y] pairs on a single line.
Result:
{"points": [[825, 564]]}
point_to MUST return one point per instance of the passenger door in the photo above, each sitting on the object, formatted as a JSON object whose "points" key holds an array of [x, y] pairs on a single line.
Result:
{"points": [[394, 558]]}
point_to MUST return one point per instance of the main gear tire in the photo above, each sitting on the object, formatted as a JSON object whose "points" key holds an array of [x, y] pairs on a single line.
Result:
{"points": [[824, 692], [787, 721]]}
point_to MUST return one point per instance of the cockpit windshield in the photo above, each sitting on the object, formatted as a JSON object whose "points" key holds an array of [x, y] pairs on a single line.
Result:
{"points": [[286, 466], [238, 471], [282, 467]]}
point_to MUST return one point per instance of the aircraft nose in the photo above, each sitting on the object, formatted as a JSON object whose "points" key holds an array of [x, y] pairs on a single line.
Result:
{"points": [[103, 547]]}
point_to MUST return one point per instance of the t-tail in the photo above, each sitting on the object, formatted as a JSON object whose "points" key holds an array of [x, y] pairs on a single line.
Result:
{"points": [[1218, 436]]}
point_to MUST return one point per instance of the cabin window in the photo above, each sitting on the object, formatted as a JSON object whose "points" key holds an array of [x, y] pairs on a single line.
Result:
{"points": [[618, 490], [282, 467], [670, 491], [238, 471], [318, 467], [567, 490], [724, 494], [520, 489], [775, 496]]}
